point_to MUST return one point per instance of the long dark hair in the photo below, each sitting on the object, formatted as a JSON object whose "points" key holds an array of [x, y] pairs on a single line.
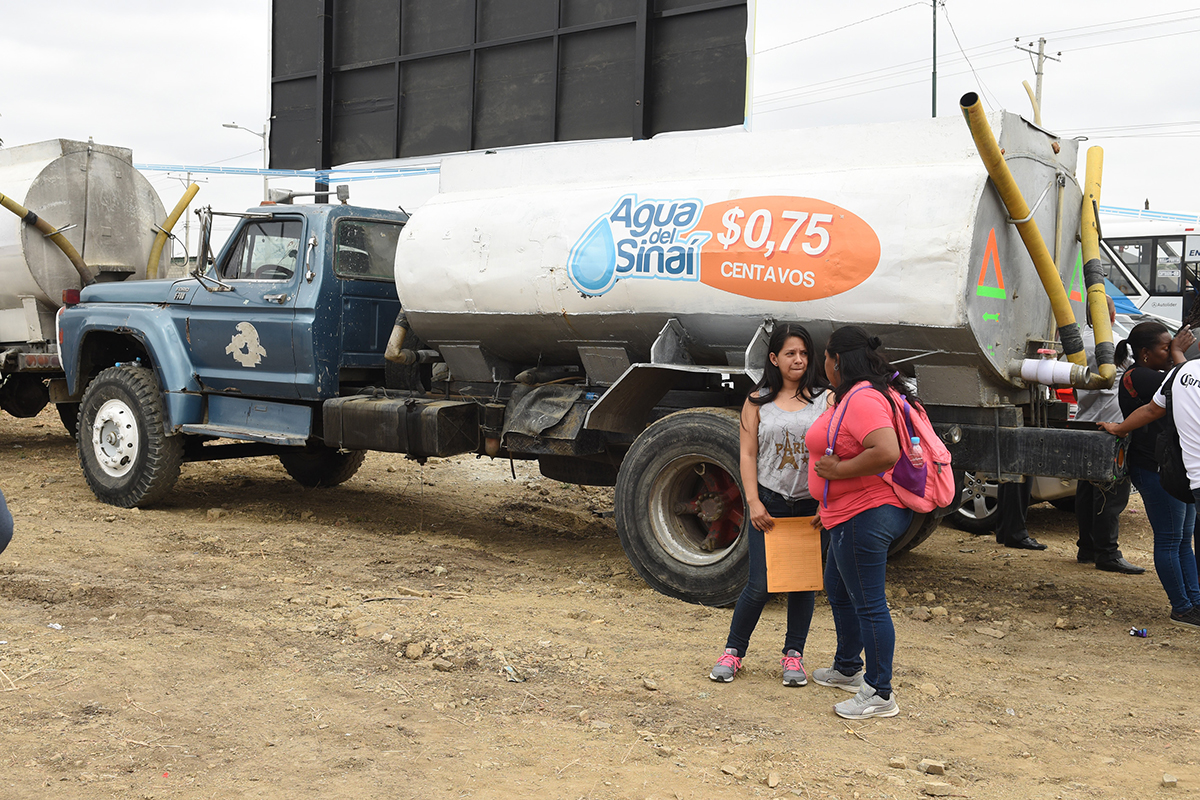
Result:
{"points": [[772, 379], [860, 360], [1144, 334]]}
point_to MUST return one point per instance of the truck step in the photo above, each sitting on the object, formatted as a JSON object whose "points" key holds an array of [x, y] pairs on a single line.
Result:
{"points": [[245, 434]]}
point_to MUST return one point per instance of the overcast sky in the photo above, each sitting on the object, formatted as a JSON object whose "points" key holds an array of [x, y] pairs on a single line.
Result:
{"points": [[161, 78]]}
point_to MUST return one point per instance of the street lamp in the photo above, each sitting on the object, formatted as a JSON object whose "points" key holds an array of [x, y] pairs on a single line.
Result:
{"points": [[262, 136]]}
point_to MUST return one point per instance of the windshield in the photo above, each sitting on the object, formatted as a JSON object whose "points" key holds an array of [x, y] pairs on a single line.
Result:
{"points": [[264, 250]]}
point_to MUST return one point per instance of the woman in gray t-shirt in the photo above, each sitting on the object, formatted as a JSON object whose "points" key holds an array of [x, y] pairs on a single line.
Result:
{"points": [[774, 468]]}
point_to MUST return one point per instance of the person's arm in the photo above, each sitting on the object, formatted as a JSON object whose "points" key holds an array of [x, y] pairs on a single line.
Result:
{"points": [[1184, 339], [1143, 416], [748, 465], [881, 452]]}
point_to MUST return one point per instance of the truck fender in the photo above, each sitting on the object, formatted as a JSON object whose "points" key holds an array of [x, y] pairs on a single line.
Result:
{"points": [[96, 337], [628, 403]]}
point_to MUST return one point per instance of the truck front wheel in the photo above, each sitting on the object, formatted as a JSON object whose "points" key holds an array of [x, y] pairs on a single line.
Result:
{"points": [[679, 507], [322, 466], [127, 457]]}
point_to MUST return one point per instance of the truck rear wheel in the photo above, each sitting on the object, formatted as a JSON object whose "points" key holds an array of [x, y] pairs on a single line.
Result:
{"points": [[127, 457], [24, 395], [922, 527], [322, 466], [679, 507]]}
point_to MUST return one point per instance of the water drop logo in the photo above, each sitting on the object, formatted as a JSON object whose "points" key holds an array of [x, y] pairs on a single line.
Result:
{"points": [[593, 261], [647, 239]]}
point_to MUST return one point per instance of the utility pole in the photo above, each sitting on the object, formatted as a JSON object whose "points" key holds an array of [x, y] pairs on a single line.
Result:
{"points": [[934, 58], [1041, 60], [187, 228], [187, 220], [263, 136]]}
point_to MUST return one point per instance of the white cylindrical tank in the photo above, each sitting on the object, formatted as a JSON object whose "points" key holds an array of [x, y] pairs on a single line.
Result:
{"points": [[110, 207], [531, 254]]}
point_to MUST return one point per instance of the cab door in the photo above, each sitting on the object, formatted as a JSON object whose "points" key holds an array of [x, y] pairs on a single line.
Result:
{"points": [[240, 337]]}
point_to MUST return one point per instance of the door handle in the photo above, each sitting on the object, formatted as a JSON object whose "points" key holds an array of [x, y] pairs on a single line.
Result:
{"points": [[276, 298]]}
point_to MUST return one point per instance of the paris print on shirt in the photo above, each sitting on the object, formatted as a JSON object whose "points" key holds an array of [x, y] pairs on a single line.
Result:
{"points": [[792, 452]]}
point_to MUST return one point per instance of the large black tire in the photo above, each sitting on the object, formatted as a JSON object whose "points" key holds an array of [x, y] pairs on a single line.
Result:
{"points": [[23, 394], [664, 468], [68, 413], [127, 457], [921, 528], [322, 466]]}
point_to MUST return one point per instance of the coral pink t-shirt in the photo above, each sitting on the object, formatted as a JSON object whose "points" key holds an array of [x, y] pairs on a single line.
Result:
{"points": [[866, 411]]}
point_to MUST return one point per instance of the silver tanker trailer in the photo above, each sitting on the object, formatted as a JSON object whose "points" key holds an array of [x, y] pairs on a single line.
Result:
{"points": [[628, 289], [91, 200]]}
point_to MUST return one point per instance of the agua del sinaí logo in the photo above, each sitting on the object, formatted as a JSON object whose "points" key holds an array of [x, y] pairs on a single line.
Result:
{"points": [[772, 247], [647, 239]]}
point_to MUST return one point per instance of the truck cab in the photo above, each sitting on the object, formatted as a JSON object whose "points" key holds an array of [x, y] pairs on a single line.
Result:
{"points": [[295, 309]]}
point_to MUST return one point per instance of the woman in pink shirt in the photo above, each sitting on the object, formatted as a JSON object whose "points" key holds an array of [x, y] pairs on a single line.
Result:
{"points": [[863, 516]]}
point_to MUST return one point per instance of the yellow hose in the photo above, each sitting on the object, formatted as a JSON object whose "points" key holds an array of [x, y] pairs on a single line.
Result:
{"points": [[51, 233], [1037, 110], [161, 239], [1018, 209], [1093, 274]]}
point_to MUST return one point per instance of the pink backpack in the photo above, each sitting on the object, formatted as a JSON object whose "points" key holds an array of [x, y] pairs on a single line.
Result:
{"points": [[924, 488]]}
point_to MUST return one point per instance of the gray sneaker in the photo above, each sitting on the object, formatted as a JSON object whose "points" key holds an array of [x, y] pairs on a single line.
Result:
{"points": [[867, 704], [831, 677], [793, 669], [1188, 619], [726, 667]]}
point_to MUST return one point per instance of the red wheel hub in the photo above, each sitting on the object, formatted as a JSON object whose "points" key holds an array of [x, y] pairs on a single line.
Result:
{"points": [[717, 504]]}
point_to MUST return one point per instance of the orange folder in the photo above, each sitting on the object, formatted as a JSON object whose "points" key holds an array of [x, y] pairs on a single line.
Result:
{"points": [[794, 556]]}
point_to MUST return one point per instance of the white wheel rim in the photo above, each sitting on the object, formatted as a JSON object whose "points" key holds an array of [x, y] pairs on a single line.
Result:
{"points": [[115, 438]]}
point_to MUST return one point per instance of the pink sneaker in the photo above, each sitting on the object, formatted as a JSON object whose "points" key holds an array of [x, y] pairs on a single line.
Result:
{"points": [[793, 669], [727, 666]]}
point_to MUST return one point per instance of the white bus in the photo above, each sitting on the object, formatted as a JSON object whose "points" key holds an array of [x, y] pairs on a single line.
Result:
{"points": [[1153, 258]]}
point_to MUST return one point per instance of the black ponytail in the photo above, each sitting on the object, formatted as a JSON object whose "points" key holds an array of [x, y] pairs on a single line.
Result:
{"points": [[859, 360]]}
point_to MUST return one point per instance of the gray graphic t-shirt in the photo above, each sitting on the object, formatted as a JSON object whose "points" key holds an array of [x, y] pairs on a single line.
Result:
{"points": [[782, 455]]}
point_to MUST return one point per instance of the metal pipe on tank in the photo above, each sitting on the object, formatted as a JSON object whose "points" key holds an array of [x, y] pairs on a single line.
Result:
{"points": [[165, 230], [51, 233], [1018, 211], [1093, 274]]}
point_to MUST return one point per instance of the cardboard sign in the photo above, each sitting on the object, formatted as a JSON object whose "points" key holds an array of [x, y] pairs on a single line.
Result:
{"points": [[793, 550]]}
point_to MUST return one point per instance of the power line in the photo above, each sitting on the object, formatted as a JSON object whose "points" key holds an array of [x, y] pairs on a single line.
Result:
{"points": [[984, 51], [917, 65], [1143, 39], [840, 28], [978, 80], [1144, 126], [871, 91], [1067, 33], [801, 94]]}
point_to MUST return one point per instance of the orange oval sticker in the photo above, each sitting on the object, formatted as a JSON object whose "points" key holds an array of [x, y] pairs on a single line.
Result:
{"points": [[785, 248]]}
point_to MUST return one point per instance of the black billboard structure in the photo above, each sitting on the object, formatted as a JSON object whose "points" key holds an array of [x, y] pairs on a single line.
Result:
{"points": [[366, 80]]}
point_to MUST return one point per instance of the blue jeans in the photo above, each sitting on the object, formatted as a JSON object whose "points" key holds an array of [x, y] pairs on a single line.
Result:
{"points": [[854, 576], [1172, 522], [750, 603]]}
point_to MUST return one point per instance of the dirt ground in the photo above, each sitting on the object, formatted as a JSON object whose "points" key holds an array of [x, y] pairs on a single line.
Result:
{"points": [[250, 638]]}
